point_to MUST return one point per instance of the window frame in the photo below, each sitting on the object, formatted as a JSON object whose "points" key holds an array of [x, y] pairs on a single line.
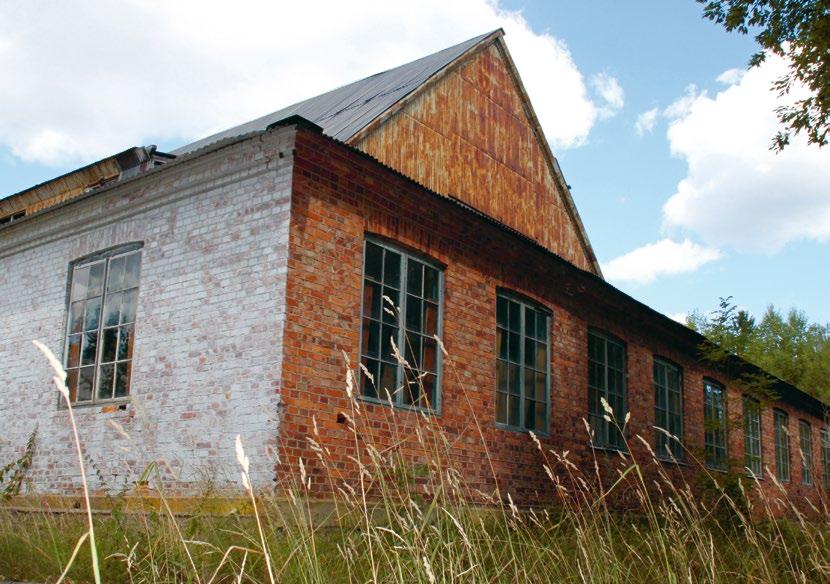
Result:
{"points": [[782, 448], [106, 255], [607, 339], [707, 431], [680, 455], [806, 456], [756, 404], [523, 302], [406, 254]]}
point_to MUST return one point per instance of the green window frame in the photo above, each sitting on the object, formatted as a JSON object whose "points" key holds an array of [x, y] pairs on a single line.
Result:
{"points": [[402, 306], [668, 409], [100, 325], [606, 379], [715, 426], [522, 364], [825, 457], [752, 437], [805, 439], [781, 423]]}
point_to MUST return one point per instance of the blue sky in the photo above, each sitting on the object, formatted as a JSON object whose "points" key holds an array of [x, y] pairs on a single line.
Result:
{"points": [[163, 73]]}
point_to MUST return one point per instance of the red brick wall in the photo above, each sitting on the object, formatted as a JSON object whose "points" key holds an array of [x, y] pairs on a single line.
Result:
{"points": [[341, 195]]}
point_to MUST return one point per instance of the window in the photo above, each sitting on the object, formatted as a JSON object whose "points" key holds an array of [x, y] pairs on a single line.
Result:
{"points": [[103, 295], [805, 437], [825, 457], [714, 423], [782, 446], [606, 379], [668, 408], [401, 308], [752, 436], [522, 365]]}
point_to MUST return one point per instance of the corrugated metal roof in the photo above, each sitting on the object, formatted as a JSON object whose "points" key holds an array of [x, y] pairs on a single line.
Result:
{"points": [[345, 111]]}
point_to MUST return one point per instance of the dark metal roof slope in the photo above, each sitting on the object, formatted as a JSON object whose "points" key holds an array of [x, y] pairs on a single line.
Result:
{"points": [[346, 110]]}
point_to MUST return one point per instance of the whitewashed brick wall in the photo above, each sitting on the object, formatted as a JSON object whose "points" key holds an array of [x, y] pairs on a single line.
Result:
{"points": [[207, 357]]}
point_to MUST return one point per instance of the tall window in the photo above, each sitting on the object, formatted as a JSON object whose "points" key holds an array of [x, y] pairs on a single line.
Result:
{"points": [[103, 296], [782, 445], [805, 439], [714, 423], [668, 408], [825, 457], [522, 396], [752, 436], [606, 379], [401, 308]]}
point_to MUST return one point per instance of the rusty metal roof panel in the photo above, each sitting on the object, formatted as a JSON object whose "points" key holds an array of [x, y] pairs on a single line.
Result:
{"points": [[346, 110]]}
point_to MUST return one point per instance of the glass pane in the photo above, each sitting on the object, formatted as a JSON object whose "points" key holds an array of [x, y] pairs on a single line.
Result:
{"points": [[530, 353], [515, 379], [123, 373], [388, 334], [115, 277], [388, 380], [129, 302], [368, 385], [529, 384], [76, 317], [541, 387], [413, 313], [514, 349], [412, 354], [90, 344], [513, 411], [126, 337], [73, 351], [112, 309], [105, 374], [541, 357], [502, 377], [541, 326], [515, 317], [373, 267], [530, 322], [392, 269], [428, 393], [431, 283], [501, 343], [391, 311], [371, 338], [96, 279], [109, 343], [371, 299], [414, 277], [501, 311], [72, 384], [85, 383], [412, 391], [131, 270], [93, 314], [501, 407], [430, 318], [530, 415], [80, 277], [430, 356]]}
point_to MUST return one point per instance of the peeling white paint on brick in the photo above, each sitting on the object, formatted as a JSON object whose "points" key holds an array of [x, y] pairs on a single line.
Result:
{"points": [[208, 349]]}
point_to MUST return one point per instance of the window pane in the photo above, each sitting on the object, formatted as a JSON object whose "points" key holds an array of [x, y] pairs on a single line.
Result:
{"points": [[90, 345], [80, 277], [502, 377], [389, 334], [541, 357], [414, 277], [109, 342], [391, 305], [541, 389], [96, 279], [541, 326], [72, 384], [515, 386], [112, 309], [501, 312], [87, 374], [105, 375], [413, 313], [125, 342], [501, 343], [530, 415], [131, 270], [430, 318], [129, 303], [93, 314], [430, 356], [115, 277], [73, 351], [431, 278], [530, 352], [530, 322], [513, 413], [373, 267], [371, 299], [501, 407], [515, 317], [123, 372], [76, 317], [514, 349], [392, 269], [371, 338], [368, 385], [388, 380]]}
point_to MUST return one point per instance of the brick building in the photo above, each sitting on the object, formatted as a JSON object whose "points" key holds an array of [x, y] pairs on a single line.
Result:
{"points": [[215, 290]]}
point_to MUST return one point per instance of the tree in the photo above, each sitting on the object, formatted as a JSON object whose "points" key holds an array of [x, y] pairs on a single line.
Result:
{"points": [[798, 30], [787, 346]]}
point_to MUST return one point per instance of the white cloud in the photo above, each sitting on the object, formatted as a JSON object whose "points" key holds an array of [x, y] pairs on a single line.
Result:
{"points": [[83, 80], [662, 258], [731, 76], [646, 121], [611, 93], [737, 192]]}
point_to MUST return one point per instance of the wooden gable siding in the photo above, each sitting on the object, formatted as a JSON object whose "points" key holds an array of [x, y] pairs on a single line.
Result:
{"points": [[469, 136]]}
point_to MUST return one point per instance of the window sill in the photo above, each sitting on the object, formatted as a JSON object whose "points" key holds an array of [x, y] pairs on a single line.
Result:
{"points": [[672, 461], [404, 407], [517, 430], [107, 406], [610, 449]]}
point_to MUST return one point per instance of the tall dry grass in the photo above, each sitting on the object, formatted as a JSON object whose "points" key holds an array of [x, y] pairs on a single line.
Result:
{"points": [[390, 524]]}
